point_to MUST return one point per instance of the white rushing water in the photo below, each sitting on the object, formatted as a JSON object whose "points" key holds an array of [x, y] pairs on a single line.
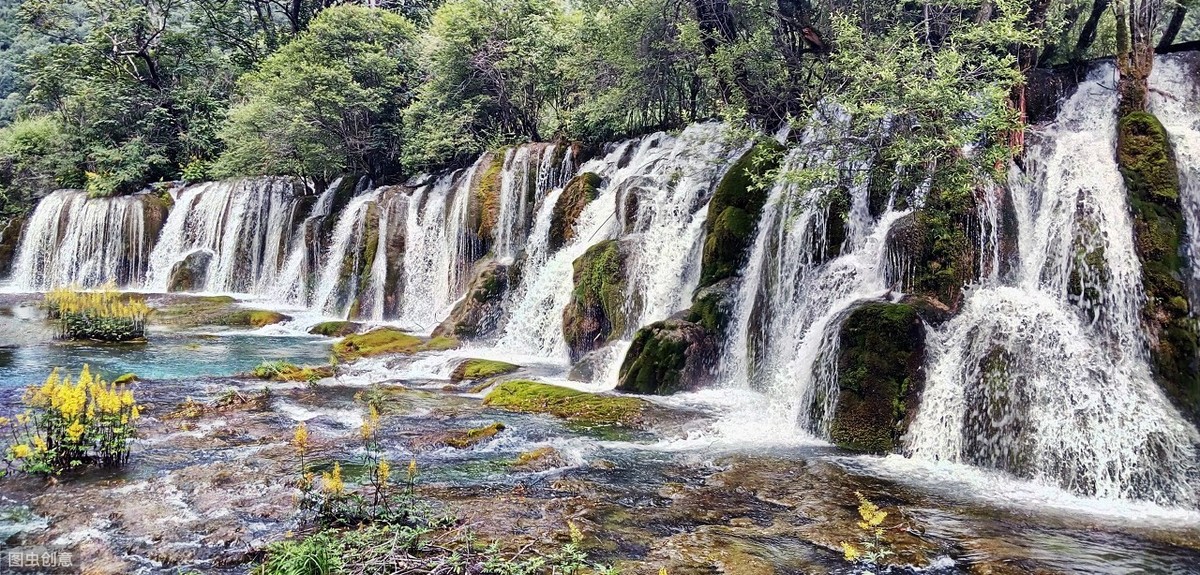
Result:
{"points": [[806, 270], [73, 240], [1045, 376], [1175, 100], [671, 180], [246, 225]]}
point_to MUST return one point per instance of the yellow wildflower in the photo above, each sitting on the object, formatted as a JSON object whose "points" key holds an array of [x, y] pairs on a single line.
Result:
{"points": [[332, 482], [385, 471], [850, 552], [300, 437], [4, 421], [39, 444], [75, 431], [371, 425], [20, 451], [412, 469]]}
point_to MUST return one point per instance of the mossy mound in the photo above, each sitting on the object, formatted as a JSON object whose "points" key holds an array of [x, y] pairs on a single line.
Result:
{"points": [[569, 404], [387, 340], [252, 318], [597, 312], [734, 210], [289, 372], [879, 376], [465, 439], [185, 311], [478, 314], [581, 190], [668, 356], [126, 379], [1151, 175], [335, 328], [480, 369]]}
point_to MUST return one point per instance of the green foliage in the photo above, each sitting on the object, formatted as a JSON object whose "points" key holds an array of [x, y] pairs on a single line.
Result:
{"points": [[493, 75], [32, 159], [328, 102]]}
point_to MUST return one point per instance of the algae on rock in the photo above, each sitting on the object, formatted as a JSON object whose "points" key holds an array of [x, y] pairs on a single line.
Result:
{"points": [[879, 366]]}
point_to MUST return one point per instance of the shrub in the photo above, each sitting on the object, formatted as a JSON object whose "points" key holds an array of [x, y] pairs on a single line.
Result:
{"points": [[69, 424], [104, 315]]}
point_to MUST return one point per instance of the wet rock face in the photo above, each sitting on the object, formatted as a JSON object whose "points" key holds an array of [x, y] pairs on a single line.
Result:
{"points": [[734, 211], [191, 273], [478, 315], [597, 312], [10, 238], [1147, 163], [581, 190], [879, 376], [669, 356]]}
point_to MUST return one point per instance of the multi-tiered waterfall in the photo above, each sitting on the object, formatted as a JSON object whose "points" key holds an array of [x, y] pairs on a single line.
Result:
{"points": [[1042, 373]]}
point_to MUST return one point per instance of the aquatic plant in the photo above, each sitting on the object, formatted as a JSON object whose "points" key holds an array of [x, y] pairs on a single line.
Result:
{"points": [[105, 314], [69, 424], [872, 547]]}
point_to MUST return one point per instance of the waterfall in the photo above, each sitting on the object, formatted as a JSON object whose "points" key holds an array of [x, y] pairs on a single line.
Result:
{"points": [[437, 254], [528, 174], [807, 269], [74, 240], [245, 225], [1175, 99], [1044, 375], [341, 270], [672, 179]]}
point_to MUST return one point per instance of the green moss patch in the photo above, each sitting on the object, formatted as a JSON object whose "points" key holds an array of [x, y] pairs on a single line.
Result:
{"points": [[666, 357], [734, 210], [387, 340], [284, 371], [1151, 176], [487, 196], [480, 369], [597, 311], [569, 404], [879, 376], [465, 439], [335, 328], [252, 318]]}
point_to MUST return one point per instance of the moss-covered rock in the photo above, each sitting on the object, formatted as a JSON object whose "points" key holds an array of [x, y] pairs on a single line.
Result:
{"points": [[458, 438], [252, 318], [581, 190], [378, 341], [289, 372], [484, 207], [388, 340], [569, 404], [597, 312], [1148, 166], [668, 356], [539, 459], [478, 314], [935, 249], [190, 273], [126, 379], [879, 376], [335, 328], [733, 212], [480, 369]]}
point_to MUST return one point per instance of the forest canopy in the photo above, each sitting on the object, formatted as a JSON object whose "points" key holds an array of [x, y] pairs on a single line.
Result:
{"points": [[116, 95]]}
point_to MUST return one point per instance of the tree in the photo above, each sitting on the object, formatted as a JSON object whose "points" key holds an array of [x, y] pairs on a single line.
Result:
{"points": [[328, 102], [492, 75]]}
